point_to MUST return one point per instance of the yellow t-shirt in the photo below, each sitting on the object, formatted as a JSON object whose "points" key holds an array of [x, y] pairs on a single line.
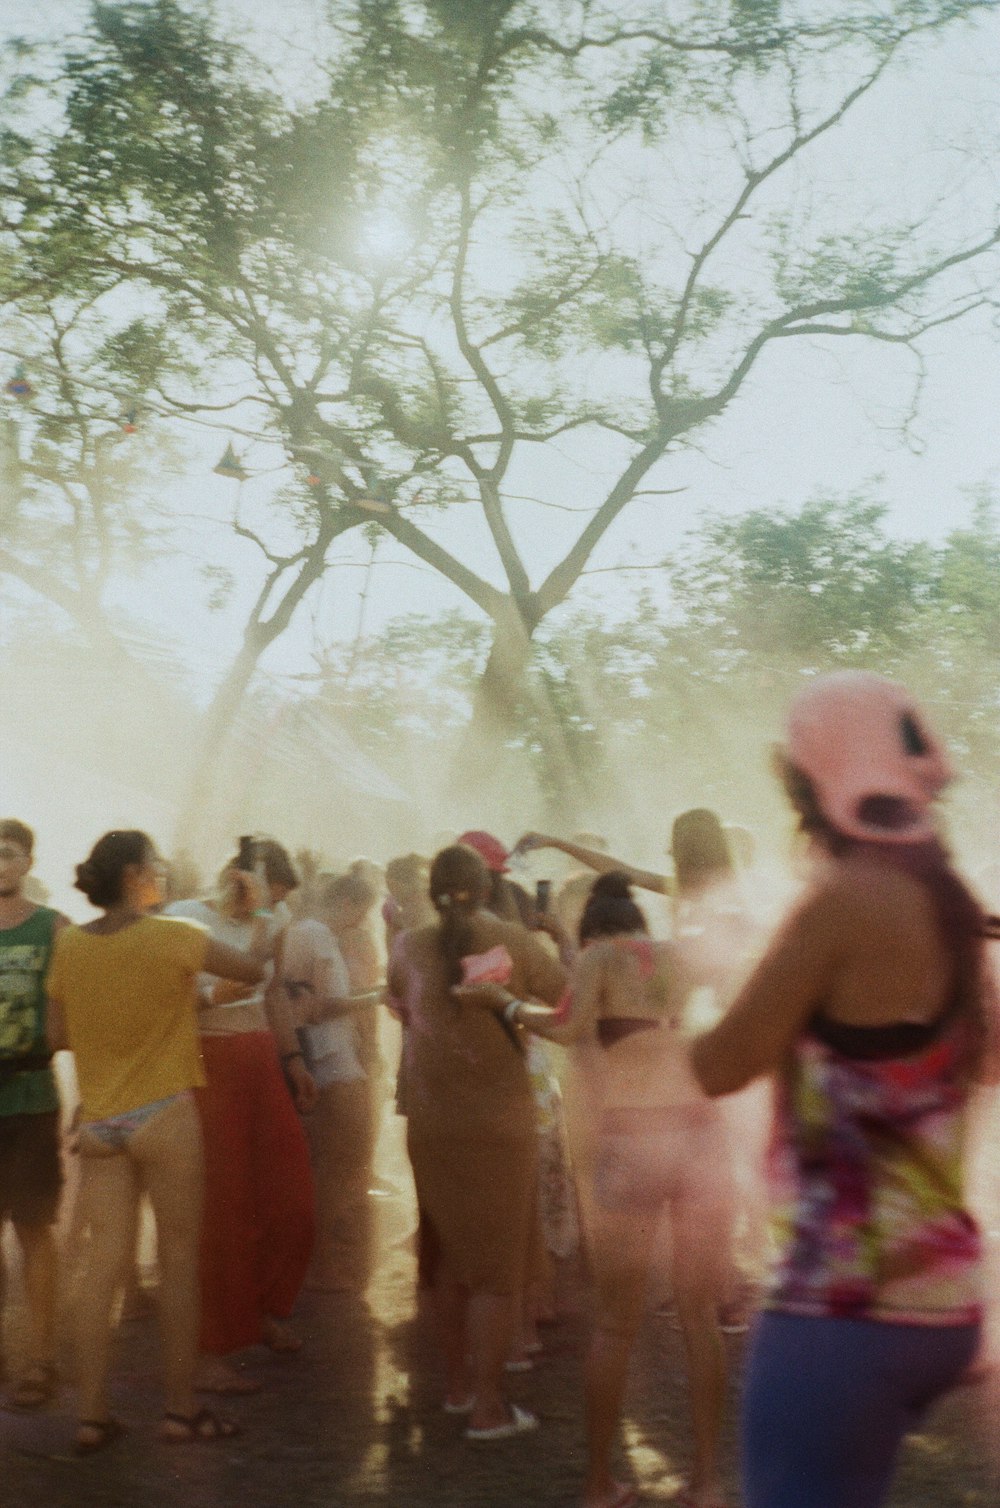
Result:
{"points": [[130, 1005]]}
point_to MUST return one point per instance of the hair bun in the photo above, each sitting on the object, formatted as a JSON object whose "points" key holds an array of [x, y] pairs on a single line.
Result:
{"points": [[616, 885]]}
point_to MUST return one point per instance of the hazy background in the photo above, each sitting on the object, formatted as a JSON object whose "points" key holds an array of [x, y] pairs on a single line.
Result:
{"points": [[334, 749]]}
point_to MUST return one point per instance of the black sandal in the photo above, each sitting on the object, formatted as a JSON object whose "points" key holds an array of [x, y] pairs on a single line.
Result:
{"points": [[106, 1431], [205, 1426]]}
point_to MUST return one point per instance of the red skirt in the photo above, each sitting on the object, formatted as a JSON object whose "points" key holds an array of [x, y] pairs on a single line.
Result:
{"points": [[259, 1221]]}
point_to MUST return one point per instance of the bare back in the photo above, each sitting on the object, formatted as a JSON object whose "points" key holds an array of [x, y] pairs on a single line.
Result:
{"points": [[628, 1003]]}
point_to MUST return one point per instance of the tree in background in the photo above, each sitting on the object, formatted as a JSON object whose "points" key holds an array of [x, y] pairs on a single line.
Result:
{"points": [[471, 247], [678, 702]]}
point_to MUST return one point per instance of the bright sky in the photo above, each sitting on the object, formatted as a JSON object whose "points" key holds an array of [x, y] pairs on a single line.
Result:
{"points": [[815, 417]]}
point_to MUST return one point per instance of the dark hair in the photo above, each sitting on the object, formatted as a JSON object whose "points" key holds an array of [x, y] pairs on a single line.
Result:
{"points": [[508, 901], [278, 867], [610, 909], [699, 849], [959, 915], [13, 831], [459, 885], [101, 875]]}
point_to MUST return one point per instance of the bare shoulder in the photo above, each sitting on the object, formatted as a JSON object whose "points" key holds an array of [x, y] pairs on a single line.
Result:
{"points": [[868, 892]]}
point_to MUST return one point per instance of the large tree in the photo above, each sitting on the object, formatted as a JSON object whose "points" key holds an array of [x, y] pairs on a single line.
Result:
{"points": [[471, 239]]}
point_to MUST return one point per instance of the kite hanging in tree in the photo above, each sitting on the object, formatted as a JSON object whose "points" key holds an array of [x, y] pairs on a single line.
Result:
{"points": [[19, 385], [231, 465]]}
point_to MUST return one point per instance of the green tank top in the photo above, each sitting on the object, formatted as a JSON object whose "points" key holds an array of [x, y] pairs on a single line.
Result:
{"points": [[24, 959]]}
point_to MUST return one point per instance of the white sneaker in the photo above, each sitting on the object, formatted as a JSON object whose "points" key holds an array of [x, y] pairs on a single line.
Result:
{"points": [[521, 1422]]}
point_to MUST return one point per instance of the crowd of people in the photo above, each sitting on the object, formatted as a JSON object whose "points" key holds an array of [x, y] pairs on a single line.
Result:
{"points": [[576, 1086]]}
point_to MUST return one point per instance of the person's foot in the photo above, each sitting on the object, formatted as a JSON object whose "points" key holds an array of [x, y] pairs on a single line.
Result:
{"points": [[215, 1375], [35, 1387], [205, 1426], [734, 1318], [516, 1421], [93, 1435], [520, 1363], [280, 1338]]}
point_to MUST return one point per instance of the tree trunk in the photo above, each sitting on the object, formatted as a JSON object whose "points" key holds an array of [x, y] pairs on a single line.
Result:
{"points": [[504, 696], [216, 728]]}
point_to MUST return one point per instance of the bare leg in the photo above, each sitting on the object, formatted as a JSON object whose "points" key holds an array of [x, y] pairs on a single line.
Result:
{"points": [[109, 1195], [451, 1302], [620, 1253], [168, 1153], [490, 1319], [38, 1249], [701, 1256]]}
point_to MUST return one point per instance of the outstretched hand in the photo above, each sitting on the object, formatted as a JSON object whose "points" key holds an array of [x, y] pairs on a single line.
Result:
{"points": [[492, 997], [305, 1091], [528, 842]]}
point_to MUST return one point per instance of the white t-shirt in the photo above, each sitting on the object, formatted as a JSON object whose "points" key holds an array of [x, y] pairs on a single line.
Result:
{"points": [[248, 1013], [312, 958]]}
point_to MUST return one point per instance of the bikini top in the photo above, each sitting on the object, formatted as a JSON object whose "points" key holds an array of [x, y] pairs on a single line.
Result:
{"points": [[612, 1029], [893, 1039]]}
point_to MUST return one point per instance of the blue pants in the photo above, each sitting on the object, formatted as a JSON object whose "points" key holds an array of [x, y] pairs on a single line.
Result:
{"points": [[826, 1403]]}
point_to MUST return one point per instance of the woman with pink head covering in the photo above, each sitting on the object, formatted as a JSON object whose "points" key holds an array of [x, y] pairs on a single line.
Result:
{"points": [[872, 1010]]}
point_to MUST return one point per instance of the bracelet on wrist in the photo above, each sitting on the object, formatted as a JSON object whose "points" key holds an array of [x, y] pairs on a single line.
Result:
{"points": [[264, 911], [511, 1009]]}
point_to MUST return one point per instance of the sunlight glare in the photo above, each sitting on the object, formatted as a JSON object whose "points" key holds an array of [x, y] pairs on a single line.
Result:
{"points": [[385, 236]]}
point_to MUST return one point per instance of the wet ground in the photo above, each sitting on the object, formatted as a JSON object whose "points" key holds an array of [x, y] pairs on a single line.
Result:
{"points": [[356, 1420]]}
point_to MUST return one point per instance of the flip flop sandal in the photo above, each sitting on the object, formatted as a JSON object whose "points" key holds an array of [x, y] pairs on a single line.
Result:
{"points": [[35, 1387], [521, 1422], [106, 1432], [204, 1426]]}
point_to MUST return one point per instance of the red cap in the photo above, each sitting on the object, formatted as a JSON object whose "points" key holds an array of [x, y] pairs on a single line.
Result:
{"points": [[858, 736], [489, 849]]}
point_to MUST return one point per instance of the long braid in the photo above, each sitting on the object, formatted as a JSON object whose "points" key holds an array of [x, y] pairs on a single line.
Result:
{"points": [[459, 883]]}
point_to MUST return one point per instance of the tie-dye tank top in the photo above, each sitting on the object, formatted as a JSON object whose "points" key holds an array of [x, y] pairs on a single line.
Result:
{"points": [[868, 1167]]}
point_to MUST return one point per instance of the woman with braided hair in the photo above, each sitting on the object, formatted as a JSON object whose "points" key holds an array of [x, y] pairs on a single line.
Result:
{"points": [[471, 1132]]}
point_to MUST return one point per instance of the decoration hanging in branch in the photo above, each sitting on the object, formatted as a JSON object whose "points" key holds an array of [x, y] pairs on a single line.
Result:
{"points": [[231, 465], [19, 386], [312, 480], [129, 418]]}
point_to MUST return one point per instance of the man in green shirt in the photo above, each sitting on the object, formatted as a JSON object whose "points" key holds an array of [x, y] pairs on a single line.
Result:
{"points": [[30, 1170]]}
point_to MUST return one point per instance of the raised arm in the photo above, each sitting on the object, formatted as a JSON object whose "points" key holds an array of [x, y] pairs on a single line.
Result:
{"points": [[593, 858]]}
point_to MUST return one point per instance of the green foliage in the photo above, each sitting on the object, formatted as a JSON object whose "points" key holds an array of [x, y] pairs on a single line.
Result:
{"points": [[836, 586], [757, 603], [427, 263]]}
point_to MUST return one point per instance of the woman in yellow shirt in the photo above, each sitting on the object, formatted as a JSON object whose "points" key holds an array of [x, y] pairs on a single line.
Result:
{"points": [[122, 997]]}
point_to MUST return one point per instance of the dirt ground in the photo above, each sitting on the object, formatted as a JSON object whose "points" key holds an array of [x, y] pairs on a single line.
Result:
{"points": [[356, 1420]]}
